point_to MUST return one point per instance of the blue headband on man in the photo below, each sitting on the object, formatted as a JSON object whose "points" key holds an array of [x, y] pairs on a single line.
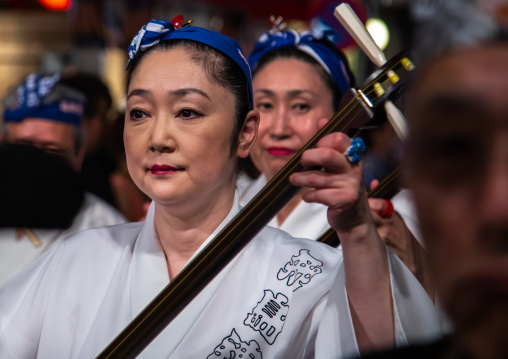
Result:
{"points": [[44, 97], [159, 30], [310, 42]]}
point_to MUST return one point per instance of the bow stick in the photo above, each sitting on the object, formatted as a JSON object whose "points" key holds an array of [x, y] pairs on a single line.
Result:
{"points": [[356, 115], [355, 28]]}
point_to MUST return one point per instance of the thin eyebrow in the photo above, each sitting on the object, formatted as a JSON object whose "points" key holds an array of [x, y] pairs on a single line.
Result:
{"points": [[178, 93], [291, 93], [138, 92], [294, 93], [186, 91], [265, 91]]}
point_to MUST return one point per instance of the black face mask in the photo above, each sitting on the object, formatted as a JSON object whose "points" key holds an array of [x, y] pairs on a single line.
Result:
{"points": [[37, 189]]}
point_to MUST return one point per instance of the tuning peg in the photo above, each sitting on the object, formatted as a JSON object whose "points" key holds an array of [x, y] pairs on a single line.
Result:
{"points": [[359, 33], [397, 119]]}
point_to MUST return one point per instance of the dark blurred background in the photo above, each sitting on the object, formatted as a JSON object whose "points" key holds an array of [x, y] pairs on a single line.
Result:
{"points": [[92, 35]]}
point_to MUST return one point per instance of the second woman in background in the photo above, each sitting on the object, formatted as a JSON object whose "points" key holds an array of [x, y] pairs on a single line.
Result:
{"points": [[298, 82]]}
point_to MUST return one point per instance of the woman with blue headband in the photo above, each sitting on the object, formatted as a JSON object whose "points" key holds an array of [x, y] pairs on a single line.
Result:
{"points": [[298, 79], [189, 117]]}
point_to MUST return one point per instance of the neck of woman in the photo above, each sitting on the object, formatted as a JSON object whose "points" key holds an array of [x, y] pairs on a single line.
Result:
{"points": [[288, 209], [182, 231]]}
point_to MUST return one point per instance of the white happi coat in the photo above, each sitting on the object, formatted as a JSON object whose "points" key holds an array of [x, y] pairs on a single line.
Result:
{"points": [[267, 303], [404, 204], [16, 254], [78, 296], [416, 318]]}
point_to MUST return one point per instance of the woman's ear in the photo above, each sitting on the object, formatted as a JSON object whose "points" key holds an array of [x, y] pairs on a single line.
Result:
{"points": [[248, 134]]}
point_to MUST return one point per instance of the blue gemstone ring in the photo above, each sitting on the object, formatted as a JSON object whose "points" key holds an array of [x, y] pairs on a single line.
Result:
{"points": [[353, 153]]}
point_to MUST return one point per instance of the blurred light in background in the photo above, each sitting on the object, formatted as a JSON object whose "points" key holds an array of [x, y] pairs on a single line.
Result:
{"points": [[56, 5], [379, 32]]}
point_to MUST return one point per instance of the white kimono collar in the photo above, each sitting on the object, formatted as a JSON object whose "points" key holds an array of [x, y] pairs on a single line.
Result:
{"points": [[149, 272]]}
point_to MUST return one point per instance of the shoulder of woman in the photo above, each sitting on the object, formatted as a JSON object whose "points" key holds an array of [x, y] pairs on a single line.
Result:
{"points": [[121, 234], [94, 249]]}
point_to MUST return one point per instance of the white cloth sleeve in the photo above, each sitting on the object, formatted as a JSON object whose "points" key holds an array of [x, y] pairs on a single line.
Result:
{"points": [[415, 316]]}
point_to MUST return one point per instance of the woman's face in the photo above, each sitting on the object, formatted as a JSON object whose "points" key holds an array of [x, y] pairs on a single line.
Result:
{"points": [[178, 128], [291, 97]]}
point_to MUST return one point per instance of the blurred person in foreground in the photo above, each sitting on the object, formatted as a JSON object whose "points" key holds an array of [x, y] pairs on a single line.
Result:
{"points": [[458, 112], [45, 114]]}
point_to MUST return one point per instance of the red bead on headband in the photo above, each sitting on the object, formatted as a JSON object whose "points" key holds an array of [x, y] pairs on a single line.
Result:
{"points": [[178, 23]]}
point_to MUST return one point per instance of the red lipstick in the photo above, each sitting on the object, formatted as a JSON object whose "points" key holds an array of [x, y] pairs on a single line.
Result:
{"points": [[280, 151], [161, 170]]}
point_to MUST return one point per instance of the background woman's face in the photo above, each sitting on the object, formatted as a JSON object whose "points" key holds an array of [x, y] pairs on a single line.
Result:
{"points": [[291, 97], [178, 127]]}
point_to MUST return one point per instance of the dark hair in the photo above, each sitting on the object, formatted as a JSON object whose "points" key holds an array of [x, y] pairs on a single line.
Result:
{"points": [[220, 69], [92, 87], [95, 91], [292, 52]]}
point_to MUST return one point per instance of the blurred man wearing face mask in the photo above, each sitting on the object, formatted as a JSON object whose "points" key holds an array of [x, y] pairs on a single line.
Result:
{"points": [[44, 114]]}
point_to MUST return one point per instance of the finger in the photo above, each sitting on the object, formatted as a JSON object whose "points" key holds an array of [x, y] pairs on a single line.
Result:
{"points": [[321, 123], [377, 205], [326, 157], [374, 183], [334, 198], [338, 141], [378, 220], [321, 180], [384, 209]]}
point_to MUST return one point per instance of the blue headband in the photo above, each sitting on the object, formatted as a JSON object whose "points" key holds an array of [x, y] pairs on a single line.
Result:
{"points": [[310, 42], [159, 30], [43, 97]]}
